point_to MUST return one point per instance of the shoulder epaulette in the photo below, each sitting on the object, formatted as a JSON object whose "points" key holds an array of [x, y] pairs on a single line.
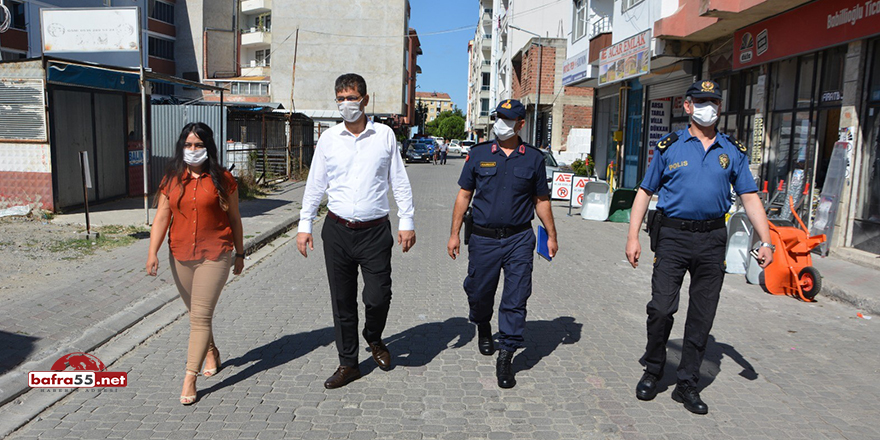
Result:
{"points": [[667, 140], [739, 145]]}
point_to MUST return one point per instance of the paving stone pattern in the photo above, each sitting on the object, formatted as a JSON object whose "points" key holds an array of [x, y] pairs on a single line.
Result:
{"points": [[776, 368]]}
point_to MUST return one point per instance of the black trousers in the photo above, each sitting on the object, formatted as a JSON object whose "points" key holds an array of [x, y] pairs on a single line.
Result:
{"points": [[702, 255], [344, 250]]}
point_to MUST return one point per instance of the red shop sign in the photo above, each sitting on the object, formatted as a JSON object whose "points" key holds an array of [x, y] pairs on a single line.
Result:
{"points": [[811, 27]]}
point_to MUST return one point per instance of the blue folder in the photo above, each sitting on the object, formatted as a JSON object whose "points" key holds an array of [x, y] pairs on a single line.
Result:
{"points": [[542, 244]]}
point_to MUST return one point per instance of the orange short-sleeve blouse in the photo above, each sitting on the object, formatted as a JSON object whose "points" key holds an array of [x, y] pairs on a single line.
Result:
{"points": [[200, 228]]}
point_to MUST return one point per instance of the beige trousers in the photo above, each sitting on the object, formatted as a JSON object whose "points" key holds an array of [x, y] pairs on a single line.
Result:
{"points": [[200, 283]]}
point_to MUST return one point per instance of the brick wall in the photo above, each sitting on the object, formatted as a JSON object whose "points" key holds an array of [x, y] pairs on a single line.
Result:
{"points": [[530, 71], [576, 116]]}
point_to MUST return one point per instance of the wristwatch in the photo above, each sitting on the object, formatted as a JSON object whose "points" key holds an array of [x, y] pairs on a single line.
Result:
{"points": [[768, 245]]}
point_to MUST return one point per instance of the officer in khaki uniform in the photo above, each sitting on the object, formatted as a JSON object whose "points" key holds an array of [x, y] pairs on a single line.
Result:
{"points": [[692, 172], [508, 183]]}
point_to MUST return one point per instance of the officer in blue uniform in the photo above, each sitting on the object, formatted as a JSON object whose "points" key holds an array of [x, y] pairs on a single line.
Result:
{"points": [[508, 183], [692, 171]]}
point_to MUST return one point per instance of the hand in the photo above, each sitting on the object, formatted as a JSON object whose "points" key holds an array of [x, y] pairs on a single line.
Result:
{"points": [[552, 246], [454, 246], [238, 266], [406, 239], [152, 265], [304, 240], [765, 256], [633, 251]]}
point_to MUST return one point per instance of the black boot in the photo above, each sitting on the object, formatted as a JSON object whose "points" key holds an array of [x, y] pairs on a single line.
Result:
{"points": [[484, 339], [647, 387], [503, 369], [690, 397]]}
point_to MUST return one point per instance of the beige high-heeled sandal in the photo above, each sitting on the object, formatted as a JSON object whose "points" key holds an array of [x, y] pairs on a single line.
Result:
{"points": [[189, 400], [210, 372]]}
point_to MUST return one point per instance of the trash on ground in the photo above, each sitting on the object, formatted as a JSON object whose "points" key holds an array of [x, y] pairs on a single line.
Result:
{"points": [[15, 210]]}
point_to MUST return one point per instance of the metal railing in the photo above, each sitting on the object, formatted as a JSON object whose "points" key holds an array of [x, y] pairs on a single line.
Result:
{"points": [[600, 26]]}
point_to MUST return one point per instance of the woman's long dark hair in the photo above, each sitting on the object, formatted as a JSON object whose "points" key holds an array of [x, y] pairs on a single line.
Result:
{"points": [[177, 167]]}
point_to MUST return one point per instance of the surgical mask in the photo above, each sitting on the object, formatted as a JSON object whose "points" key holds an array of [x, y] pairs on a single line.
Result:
{"points": [[195, 157], [351, 110], [705, 114], [504, 129]]}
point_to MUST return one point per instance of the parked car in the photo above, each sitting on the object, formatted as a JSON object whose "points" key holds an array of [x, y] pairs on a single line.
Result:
{"points": [[550, 165], [418, 152], [466, 147], [454, 147]]}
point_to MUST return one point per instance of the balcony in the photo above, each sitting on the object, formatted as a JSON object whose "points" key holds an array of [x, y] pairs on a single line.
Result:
{"points": [[255, 68], [256, 37], [256, 6]]}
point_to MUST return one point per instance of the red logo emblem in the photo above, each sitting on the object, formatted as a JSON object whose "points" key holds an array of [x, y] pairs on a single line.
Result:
{"points": [[78, 361]]}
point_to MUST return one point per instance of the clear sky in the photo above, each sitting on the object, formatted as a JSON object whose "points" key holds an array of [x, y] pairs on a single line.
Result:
{"points": [[444, 61]]}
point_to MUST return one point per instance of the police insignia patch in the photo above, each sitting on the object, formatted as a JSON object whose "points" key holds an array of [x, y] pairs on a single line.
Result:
{"points": [[708, 86], [740, 146], [724, 160], [506, 105], [487, 164]]}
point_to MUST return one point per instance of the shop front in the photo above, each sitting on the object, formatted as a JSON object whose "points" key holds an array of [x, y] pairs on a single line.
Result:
{"points": [[866, 219], [794, 91]]}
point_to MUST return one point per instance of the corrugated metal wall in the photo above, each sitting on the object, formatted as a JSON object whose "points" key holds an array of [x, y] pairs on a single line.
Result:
{"points": [[168, 120]]}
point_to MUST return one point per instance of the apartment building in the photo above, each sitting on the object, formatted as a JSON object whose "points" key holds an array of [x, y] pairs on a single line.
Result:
{"points": [[434, 103], [481, 74]]}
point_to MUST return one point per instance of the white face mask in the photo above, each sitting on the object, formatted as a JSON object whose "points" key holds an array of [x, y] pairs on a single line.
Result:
{"points": [[351, 110], [705, 114], [504, 129], [195, 157]]}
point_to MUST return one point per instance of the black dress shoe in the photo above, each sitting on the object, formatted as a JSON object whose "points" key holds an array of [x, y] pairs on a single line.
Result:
{"points": [[647, 387], [342, 377], [689, 396], [484, 339], [503, 369], [381, 355]]}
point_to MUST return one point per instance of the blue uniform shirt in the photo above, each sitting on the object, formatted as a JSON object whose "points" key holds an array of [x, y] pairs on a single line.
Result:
{"points": [[505, 185], [694, 183]]}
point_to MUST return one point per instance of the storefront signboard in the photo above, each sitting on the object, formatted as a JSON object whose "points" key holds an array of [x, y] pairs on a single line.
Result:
{"points": [[627, 59], [809, 28], [576, 68], [658, 123]]}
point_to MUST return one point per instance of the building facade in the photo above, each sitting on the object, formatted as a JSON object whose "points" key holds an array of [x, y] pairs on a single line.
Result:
{"points": [[801, 88], [434, 103]]}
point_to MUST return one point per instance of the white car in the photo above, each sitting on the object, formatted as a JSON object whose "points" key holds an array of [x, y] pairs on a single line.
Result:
{"points": [[466, 147], [454, 149]]}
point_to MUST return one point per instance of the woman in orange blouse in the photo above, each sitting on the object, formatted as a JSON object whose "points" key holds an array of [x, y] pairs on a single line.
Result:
{"points": [[198, 198]]}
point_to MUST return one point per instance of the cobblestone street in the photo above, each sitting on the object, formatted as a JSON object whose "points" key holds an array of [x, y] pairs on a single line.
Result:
{"points": [[776, 368]]}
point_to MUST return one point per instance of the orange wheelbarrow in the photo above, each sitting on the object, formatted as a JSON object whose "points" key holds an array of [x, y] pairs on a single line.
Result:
{"points": [[791, 272]]}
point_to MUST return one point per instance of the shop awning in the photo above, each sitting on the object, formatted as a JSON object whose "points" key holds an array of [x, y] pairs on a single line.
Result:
{"points": [[72, 73]]}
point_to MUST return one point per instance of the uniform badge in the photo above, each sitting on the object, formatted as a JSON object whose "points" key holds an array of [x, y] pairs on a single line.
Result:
{"points": [[522, 149], [506, 105], [708, 86], [667, 141], [740, 146], [724, 160], [487, 164]]}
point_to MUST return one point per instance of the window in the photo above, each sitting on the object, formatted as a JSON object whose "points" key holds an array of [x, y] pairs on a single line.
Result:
{"points": [[485, 81], [162, 11], [16, 10], [161, 48], [484, 107], [246, 87], [627, 4], [579, 27], [264, 23], [262, 57]]}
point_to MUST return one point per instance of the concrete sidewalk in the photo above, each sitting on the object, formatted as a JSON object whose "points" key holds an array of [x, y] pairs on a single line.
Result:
{"points": [[852, 277], [106, 293]]}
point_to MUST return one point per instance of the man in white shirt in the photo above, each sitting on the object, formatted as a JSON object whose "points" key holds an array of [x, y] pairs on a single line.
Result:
{"points": [[354, 163]]}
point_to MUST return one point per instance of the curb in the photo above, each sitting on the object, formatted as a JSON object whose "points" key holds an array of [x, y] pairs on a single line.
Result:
{"points": [[12, 387], [839, 294]]}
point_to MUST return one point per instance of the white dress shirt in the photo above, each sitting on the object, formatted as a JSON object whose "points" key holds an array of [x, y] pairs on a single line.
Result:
{"points": [[355, 172]]}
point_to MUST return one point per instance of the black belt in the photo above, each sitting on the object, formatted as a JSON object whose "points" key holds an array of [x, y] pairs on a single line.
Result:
{"points": [[356, 225], [499, 233], [691, 225]]}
